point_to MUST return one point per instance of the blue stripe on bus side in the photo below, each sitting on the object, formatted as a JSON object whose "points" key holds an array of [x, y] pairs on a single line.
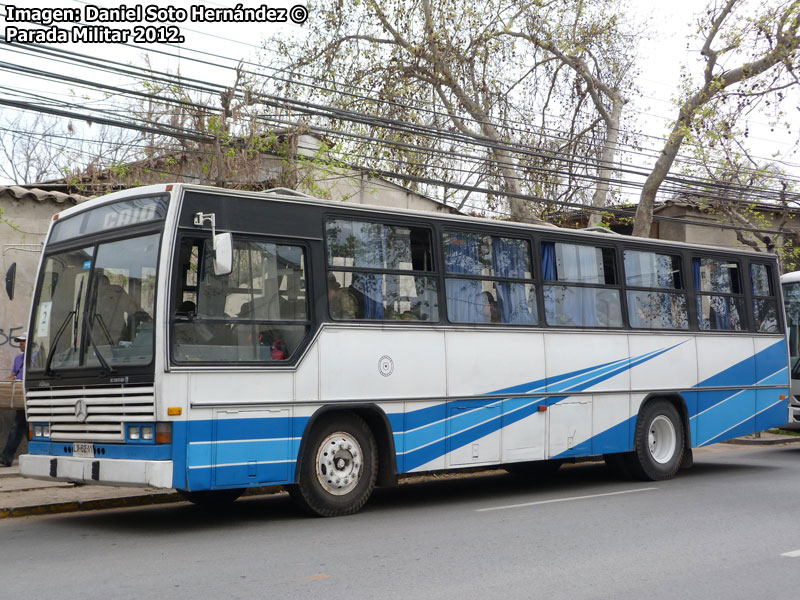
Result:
{"points": [[428, 442], [426, 434]]}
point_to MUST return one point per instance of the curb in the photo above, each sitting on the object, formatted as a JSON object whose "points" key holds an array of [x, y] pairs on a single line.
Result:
{"points": [[86, 505], [748, 441]]}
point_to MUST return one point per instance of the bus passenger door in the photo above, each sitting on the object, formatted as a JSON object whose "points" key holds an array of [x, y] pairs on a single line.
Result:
{"points": [[251, 446]]}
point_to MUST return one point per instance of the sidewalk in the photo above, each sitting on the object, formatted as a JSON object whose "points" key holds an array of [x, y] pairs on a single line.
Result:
{"points": [[20, 497]]}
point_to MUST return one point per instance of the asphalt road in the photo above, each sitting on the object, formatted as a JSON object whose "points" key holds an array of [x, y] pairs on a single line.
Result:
{"points": [[727, 528]]}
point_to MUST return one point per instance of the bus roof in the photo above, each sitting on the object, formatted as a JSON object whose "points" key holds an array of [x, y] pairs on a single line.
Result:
{"points": [[792, 277], [294, 197]]}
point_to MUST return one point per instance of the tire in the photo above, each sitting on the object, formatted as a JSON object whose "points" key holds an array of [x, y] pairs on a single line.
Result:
{"points": [[338, 467], [658, 442], [539, 469], [212, 498]]}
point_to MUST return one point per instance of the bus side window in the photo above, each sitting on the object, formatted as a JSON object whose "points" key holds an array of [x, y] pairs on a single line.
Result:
{"points": [[256, 314], [660, 300], [589, 294], [720, 305], [765, 305]]}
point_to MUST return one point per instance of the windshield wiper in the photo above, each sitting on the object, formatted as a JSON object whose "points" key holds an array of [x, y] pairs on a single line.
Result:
{"points": [[76, 318], [103, 363], [47, 370]]}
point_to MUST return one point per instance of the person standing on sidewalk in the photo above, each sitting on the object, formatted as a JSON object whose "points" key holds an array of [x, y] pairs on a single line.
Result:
{"points": [[20, 426]]}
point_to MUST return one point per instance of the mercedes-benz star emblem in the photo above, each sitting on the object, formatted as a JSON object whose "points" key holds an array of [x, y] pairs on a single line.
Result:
{"points": [[81, 410]]}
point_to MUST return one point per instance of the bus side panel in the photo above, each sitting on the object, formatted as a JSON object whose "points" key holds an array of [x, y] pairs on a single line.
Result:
{"points": [[674, 369], [180, 448], [421, 443], [771, 369], [731, 411], [495, 363], [587, 362], [199, 450], [243, 447], [374, 364], [611, 423]]}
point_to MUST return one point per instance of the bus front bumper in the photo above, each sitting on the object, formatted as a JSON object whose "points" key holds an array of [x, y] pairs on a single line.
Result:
{"points": [[103, 471]]}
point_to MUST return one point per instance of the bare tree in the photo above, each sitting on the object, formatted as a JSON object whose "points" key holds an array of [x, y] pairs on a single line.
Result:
{"points": [[534, 84], [747, 58], [35, 148]]}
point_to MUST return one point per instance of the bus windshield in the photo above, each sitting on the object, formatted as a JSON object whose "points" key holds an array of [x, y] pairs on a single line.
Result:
{"points": [[96, 306]]}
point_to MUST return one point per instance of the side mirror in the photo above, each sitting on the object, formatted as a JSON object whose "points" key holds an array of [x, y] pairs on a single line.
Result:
{"points": [[11, 276], [223, 254]]}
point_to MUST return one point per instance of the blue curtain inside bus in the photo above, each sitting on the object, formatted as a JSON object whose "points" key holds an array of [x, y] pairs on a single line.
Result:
{"points": [[510, 260], [566, 305], [464, 296]]}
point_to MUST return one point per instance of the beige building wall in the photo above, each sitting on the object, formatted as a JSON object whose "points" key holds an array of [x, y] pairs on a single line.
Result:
{"points": [[26, 215], [714, 236], [23, 227]]}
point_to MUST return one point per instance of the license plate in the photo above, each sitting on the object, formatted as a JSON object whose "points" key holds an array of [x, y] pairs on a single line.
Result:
{"points": [[82, 450]]}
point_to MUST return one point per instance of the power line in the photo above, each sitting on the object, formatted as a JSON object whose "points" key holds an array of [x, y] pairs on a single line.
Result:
{"points": [[337, 91], [352, 118]]}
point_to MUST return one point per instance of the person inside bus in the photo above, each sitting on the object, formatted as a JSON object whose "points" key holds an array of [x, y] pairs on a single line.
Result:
{"points": [[115, 309], [491, 313], [343, 304]]}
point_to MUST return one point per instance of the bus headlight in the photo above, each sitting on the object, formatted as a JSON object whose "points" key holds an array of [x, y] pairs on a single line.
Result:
{"points": [[133, 432], [147, 432], [38, 431]]}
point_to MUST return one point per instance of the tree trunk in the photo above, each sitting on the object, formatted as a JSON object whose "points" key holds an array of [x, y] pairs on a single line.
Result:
{"points": [[644, 212], [606, 161]]}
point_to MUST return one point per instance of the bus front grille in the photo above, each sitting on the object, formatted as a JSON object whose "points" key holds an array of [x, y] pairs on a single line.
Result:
{"points": [[91, 414]]}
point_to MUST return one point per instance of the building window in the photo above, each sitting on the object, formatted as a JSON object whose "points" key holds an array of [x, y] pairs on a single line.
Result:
{"points": [[585, 296], [489, 279], [765, 306], [380, 272], [720, 305], [658, 302]]}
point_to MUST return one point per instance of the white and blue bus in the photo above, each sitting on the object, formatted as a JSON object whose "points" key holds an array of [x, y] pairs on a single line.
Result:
{"points": [[210, 341], [790, 282]]}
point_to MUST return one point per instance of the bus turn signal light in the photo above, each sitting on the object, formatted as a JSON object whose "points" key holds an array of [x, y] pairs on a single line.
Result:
{"points": [[542, 407], [174, 411], [783, 396], [163, 433]]}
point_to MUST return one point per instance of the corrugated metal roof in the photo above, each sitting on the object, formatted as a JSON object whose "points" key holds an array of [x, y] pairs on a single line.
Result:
{"points": [[24, 193]]}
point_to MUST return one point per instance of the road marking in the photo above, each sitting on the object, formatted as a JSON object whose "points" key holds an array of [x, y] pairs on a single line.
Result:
{"points": [[566, 499], [792, 554]]}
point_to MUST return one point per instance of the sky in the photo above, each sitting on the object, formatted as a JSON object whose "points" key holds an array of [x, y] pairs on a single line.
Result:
{"points": [[661, 56]]}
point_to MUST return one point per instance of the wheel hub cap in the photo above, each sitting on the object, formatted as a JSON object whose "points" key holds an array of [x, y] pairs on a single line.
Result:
{"points": [[662, 439], [338, 463]]}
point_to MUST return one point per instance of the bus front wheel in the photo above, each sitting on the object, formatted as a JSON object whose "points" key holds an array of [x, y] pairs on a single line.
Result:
{"points": [[338, 468], [658, 443]]}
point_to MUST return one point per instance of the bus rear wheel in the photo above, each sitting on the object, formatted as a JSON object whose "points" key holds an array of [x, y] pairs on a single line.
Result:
{"points": [[658, 442], [338, 467]]}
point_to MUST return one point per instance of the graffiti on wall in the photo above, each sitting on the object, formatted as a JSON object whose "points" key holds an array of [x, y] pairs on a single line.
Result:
{"points": [[7, 337]]}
